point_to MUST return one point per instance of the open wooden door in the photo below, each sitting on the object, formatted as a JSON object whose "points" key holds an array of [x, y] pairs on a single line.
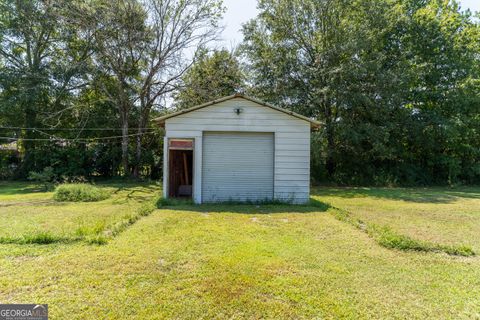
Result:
{"points": [[180, 168]]}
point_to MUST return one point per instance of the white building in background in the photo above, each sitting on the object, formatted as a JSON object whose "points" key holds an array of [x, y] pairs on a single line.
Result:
{"points": [[237, 148]]}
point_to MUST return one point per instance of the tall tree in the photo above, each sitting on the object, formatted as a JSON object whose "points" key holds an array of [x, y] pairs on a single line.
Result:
{"points": [[178, 29], [303, 55], [388, 78], [443, 45], [119, 33], [213, 75], [41, 61], [145, 47]]}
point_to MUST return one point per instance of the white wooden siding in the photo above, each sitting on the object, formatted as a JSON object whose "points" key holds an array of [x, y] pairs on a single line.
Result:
{"points": [[292, 141]]}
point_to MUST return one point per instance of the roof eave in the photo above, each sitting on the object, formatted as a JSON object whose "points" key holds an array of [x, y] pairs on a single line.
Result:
{"points": [[161, 120]]}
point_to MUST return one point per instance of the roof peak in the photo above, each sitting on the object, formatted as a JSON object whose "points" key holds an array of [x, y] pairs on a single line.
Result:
{"points": [[161, 120]]}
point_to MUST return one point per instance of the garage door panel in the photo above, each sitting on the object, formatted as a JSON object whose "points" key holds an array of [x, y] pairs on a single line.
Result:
{"points": [[237, 166]]}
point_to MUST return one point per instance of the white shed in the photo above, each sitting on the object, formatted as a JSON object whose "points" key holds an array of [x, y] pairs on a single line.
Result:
{"points": [[237, 148]]}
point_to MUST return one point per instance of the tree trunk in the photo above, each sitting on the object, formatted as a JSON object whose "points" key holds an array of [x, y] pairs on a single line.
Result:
{"points": [[124, 118], [329, 130], [138, 153], [142, 123], [28, 163], [330, 162]]}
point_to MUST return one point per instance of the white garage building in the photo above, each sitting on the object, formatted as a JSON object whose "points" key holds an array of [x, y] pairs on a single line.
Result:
{"points": [[237, 149]]}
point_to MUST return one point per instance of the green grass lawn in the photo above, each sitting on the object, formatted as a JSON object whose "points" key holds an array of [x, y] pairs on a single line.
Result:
{"points": [[439, 215], [26, 209], [249, 262]]}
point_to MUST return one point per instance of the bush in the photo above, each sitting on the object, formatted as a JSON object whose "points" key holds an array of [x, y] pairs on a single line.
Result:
{"points": [[79, 192], [9, 162], [44, 177]]}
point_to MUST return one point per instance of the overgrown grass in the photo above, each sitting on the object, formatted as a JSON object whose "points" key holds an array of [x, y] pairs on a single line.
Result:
{"points": [[262, 261], [175, 202], [171, 202], [129, 219], [238, 262], [80, 192], [43, 221], [448, 216], [387, 238], [40, 237], [100, 234]]}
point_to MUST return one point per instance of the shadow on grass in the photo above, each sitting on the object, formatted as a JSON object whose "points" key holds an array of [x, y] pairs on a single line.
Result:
{"points": [[138, 192], [35, 203], [12, 188], [244, 208], [419, 195]]}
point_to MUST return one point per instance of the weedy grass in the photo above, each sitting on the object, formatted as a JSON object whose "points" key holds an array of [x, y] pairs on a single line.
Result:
{"points": [[80, 192], [261, 261], [171, 202], [238, 262], [129, 219], [388, 238], [39, 237], [179, 202], [43, 221], [423, 219]]}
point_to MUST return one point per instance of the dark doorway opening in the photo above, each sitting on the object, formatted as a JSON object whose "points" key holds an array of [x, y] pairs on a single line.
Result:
{"points": [[181, 173]]}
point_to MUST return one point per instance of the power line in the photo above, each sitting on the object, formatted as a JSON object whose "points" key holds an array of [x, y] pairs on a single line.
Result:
{"points": [[73, 129], [77, 139]]}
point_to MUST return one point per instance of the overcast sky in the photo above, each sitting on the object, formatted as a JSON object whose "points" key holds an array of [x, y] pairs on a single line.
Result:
{"points": [[240, 11]]}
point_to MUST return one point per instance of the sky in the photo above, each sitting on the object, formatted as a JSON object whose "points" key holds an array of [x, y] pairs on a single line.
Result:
{"points": [[240, 11]]}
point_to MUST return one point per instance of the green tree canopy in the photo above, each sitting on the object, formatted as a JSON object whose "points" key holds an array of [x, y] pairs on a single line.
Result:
{"points": [[213, 75], [387, 78]]}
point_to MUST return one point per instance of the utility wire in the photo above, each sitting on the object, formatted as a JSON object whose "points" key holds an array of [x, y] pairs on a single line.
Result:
{"points": [[78, 139], [74, 129]]}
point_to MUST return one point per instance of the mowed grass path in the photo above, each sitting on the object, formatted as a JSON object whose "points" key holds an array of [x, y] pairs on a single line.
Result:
{"points": [[240, 262]]}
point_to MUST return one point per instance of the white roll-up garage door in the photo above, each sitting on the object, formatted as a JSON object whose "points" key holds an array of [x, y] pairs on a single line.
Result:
{"points": [[237, 166]]}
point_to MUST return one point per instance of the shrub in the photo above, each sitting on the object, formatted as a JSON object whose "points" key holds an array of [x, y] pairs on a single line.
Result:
{"points": [[9, 162], [76, 192], [44, 177]]}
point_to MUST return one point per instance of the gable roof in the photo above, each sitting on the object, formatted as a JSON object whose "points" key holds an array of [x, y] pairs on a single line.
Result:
{"points": [[161, 120]]}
